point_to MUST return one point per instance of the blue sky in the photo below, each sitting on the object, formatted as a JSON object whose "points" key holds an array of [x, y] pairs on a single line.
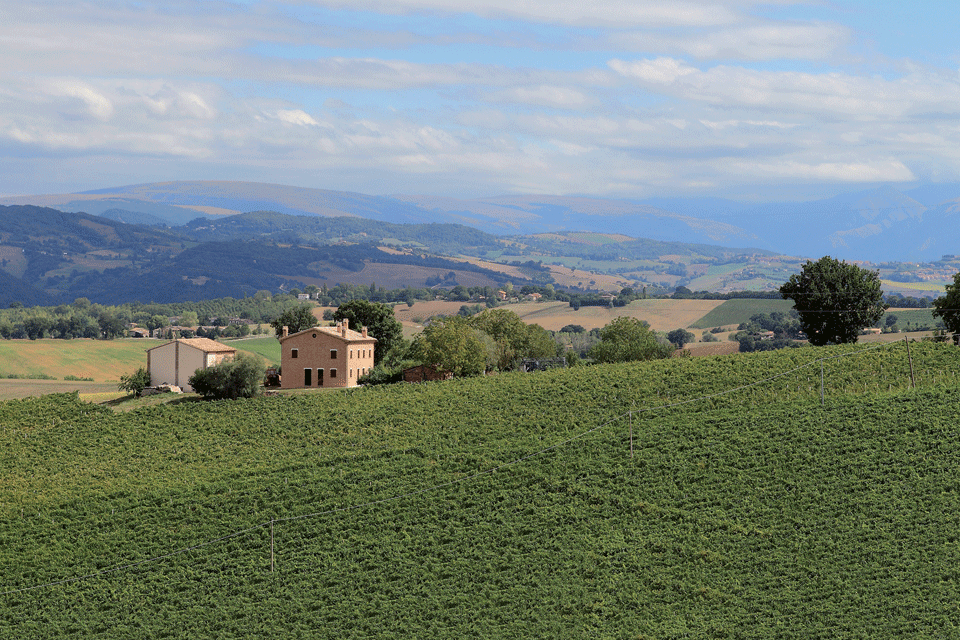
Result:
{"points": [[753, 101]]}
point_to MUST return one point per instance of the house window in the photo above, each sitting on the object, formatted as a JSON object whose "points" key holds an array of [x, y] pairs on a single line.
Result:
{"points": [[333, 354], [319, 377], [333, 373], [351, 354], [294, 353], [351, 373]]}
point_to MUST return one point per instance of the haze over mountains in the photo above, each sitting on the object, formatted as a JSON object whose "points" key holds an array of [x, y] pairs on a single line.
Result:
{"points": [[881, 224]]}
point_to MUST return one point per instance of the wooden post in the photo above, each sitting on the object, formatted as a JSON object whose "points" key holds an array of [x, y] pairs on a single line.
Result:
{"points": [[631, 434], [271, 545], [913, 382]]}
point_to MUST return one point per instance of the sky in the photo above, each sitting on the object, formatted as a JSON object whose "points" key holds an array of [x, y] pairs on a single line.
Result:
{"points": [[471, 98]]}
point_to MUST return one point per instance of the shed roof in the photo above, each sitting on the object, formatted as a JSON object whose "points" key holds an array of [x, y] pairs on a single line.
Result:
{"points": [[205, 345]]}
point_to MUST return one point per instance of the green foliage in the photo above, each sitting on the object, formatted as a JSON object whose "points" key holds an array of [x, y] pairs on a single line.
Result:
{"points": [[947, 306], [134, 383], [241, 377], [680, 337], [297, 319], [628, 340], [452, 344], [379, 320], [739, 310], [835, 300], [514, 339]]}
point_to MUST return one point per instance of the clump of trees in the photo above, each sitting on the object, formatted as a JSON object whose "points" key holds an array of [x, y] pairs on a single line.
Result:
{"points": [[379, 320], [835, 300], [627, 340], [241, 377]]}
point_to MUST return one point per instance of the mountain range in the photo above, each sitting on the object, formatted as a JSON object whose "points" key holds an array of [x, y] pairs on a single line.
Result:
{"points": [[879, 225]]}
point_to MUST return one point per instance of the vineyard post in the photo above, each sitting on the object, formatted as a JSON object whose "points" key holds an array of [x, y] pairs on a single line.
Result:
{"points": [[631, 434], [913, 382], [271, 545]]}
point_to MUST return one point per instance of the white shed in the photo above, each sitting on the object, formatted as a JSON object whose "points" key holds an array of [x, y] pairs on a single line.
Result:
{"points": [[174, 362]]}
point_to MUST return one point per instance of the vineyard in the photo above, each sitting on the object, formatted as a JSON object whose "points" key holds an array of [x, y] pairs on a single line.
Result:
{"points": [[708, 497]]}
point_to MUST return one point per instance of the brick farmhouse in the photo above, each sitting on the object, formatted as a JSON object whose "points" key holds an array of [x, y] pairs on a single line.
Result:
{"points": [[325, 356]]}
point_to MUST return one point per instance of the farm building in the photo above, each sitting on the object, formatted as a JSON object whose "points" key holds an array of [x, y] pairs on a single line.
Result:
{"points": [[325, 356], [425, 373], [174, 362]]}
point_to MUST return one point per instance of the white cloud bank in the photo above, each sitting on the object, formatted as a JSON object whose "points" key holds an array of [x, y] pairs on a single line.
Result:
{"points": [[611, 98]]}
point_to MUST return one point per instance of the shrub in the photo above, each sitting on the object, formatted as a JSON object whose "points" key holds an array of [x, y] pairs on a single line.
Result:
{"points": [[134, 383], [241, 377]]}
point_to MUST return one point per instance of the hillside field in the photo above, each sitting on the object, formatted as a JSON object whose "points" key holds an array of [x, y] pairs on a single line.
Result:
{"points": [[662, 314], [729, 503], [103, 360]]}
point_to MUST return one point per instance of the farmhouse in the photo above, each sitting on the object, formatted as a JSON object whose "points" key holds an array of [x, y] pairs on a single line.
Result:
{"points": [[325, 356], [174, 362]]}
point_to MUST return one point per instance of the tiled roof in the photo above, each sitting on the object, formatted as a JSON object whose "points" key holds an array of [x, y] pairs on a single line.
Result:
{"points": [[205, 345], [351, 336]]}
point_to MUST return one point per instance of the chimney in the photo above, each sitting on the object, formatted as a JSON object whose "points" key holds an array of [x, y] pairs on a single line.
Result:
{"points": [[364, 332], [343, 327], [285, 332]]}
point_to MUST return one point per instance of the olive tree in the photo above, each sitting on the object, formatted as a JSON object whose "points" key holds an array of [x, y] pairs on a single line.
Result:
{"points": [[835, 300]]}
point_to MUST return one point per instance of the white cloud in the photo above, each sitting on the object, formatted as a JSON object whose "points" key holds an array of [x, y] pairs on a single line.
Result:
{"points": [[610, 13], [889, 170], [544, 96], [790, 91], [767, 40], [97, 105], [297, 117]]}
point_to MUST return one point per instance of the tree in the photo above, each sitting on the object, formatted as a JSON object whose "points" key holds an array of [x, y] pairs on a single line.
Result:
{"points": [[452, 345], [241, 377], [835, 300], [135, 383], [680, 337], [379, 320], [296, 319], [629, 339], [947, 306]]}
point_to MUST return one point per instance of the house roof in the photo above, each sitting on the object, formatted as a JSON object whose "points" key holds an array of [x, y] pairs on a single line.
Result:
{"points": [[335, 332], [205, 345]]}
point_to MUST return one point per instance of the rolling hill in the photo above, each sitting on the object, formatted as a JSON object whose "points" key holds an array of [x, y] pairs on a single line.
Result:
{"points": [[714, 497], [879, 224]]}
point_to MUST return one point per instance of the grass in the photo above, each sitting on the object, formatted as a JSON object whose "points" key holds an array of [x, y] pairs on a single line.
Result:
{"points": [[268, 347], [737, 310], [102, 360]]}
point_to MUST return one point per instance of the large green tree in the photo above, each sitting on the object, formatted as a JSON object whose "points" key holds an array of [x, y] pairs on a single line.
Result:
{"points": [[513, 337], [379, 320], [629, 339], [452, 344], [947, 306], [296, 319], [835, 300]]}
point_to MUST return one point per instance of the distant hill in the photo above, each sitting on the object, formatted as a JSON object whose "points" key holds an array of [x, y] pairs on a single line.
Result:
{"points": [[177, 202], [879, 224]]}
